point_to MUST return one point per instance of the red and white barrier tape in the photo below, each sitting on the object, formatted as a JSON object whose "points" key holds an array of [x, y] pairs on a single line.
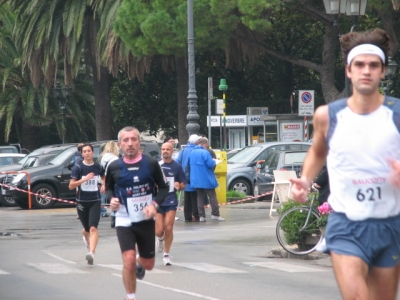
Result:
{"points": [[179, 208]]}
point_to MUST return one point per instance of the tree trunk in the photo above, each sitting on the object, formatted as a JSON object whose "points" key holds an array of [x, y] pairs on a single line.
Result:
{"points": [[29, 136], [102, 100], [101, 85], [182, 80], [327, 73]]}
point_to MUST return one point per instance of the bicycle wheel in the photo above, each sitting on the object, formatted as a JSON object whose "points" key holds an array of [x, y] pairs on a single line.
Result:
{"points": [[289, 233]]}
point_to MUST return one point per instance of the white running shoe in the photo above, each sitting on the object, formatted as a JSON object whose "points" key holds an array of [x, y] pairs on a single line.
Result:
{"points": [[160, 244], [176, 218], [217, 218], [86, 243], [90, 258], [167, 261], [202, 219]]}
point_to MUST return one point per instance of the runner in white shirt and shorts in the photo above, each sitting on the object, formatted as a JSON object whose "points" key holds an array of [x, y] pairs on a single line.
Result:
{"points": [[359, 138]]}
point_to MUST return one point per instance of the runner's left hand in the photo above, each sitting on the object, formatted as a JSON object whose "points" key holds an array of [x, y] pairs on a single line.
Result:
{"points": [[394, 176]]}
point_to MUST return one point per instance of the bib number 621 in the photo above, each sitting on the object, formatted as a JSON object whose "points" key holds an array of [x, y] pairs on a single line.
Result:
{"points": [[369, 194]]}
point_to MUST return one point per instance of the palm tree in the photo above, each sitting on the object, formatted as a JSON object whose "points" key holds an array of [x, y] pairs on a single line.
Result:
{"points": [[53, 29], [25, 107]]}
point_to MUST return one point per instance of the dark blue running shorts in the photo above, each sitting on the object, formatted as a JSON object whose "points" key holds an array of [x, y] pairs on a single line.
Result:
{"points": [[375, 241], [163, 209]]}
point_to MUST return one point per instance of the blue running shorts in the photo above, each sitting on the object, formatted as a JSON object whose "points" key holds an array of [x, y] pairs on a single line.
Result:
{"points": [[163, 209], [375, 241]]}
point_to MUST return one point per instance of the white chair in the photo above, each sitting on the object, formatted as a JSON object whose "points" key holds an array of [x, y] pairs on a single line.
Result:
{"points": [[282, 187]]}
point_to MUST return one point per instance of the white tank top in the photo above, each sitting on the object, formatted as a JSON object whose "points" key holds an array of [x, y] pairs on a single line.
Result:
{"points": [[359, 149]]}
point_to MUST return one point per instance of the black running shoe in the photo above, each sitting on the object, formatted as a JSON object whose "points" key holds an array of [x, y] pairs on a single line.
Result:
{"points": [[140, 271]]}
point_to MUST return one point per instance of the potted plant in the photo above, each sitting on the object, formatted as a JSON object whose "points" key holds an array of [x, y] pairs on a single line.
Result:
{"points": [[292, 224]]}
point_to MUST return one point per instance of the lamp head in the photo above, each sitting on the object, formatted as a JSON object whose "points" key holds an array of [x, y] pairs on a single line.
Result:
{"points": [[222, 85]]}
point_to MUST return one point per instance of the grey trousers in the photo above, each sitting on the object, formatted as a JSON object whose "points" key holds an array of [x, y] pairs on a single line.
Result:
{"points": [[213, 202]]}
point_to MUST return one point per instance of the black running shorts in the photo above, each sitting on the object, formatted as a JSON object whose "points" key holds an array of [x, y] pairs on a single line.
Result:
{"points": [[89, 213], [142, 234]]}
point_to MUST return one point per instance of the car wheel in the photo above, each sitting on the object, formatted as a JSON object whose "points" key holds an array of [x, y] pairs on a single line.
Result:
{"points": [[22, 204], [46, 192], [256, 192], [7, 201], [241, 186]]}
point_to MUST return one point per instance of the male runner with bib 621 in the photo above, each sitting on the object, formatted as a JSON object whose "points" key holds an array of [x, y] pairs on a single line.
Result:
{"points": [[359, 137]]}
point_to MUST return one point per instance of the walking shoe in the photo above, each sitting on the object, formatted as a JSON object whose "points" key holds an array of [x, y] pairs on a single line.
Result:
{"points": [[176, 218], [86, 243], [112, 221], [89, 258], [140, 271], [217, 218], [105, 215], [202, 219], [167, 261], [160, 244]]}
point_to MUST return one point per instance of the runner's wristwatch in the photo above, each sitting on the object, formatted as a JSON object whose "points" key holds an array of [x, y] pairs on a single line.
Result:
{"points": [[156, 205]]}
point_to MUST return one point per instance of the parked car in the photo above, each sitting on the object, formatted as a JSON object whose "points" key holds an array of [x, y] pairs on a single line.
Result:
{"points": [[8, 149], [53, 179], [39, 160], [279, 160], [232, 152], [10, 158], [5, 197], [241, 166]]}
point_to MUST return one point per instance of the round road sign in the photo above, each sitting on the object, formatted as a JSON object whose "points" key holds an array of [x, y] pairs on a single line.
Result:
{"points": [[306, 97]]}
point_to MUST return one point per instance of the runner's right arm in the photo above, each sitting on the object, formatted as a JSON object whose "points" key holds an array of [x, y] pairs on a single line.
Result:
{"points": [[315, 158]]}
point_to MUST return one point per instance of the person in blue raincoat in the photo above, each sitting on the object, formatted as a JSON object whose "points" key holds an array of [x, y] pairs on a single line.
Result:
{"points": [[202, 178], [190, 210]]}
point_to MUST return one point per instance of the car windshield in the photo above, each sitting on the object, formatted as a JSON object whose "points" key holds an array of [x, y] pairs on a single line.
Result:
{"points": [[294, 158], [245, 155], [60, 158], [25, 158]]}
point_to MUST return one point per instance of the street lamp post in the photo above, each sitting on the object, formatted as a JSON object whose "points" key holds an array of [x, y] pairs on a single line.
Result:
{"points": [[223, 87], [353, 8], [62, 94], [389, 73], [193, 126]]}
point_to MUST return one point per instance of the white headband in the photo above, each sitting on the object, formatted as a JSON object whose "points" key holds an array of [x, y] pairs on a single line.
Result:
{"points": [[365, 49]]}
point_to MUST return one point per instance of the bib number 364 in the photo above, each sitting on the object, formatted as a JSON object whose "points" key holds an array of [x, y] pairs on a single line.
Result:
{"points": [[369, 194]]}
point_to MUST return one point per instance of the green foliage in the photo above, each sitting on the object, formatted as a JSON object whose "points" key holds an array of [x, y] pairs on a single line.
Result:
{"points": [[294, 221], [235, 194], [149, 105], [160, 27]]}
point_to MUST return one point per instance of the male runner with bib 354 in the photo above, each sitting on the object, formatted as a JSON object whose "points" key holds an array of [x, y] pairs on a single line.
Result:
{"points": [[359, 137], [131, 184]]}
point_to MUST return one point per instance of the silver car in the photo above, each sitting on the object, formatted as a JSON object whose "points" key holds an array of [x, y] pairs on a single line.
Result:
{"points": [[241, 166]]}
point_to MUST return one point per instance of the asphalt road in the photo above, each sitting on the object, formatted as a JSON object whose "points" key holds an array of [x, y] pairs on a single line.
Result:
{"points": [[43, 257]]}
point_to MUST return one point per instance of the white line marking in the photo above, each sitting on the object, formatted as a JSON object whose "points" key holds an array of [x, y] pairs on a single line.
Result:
{"points": [[60, 258], [119, 268], [56, 268], [4, 272], [208, 268], [173, 290], [286, 267]]}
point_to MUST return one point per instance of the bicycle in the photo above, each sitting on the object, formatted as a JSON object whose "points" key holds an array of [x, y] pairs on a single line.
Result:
{"points": [[297, 229]]}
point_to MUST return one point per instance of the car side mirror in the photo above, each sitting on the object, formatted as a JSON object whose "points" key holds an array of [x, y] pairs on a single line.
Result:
{"points": [[70, 165]]}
